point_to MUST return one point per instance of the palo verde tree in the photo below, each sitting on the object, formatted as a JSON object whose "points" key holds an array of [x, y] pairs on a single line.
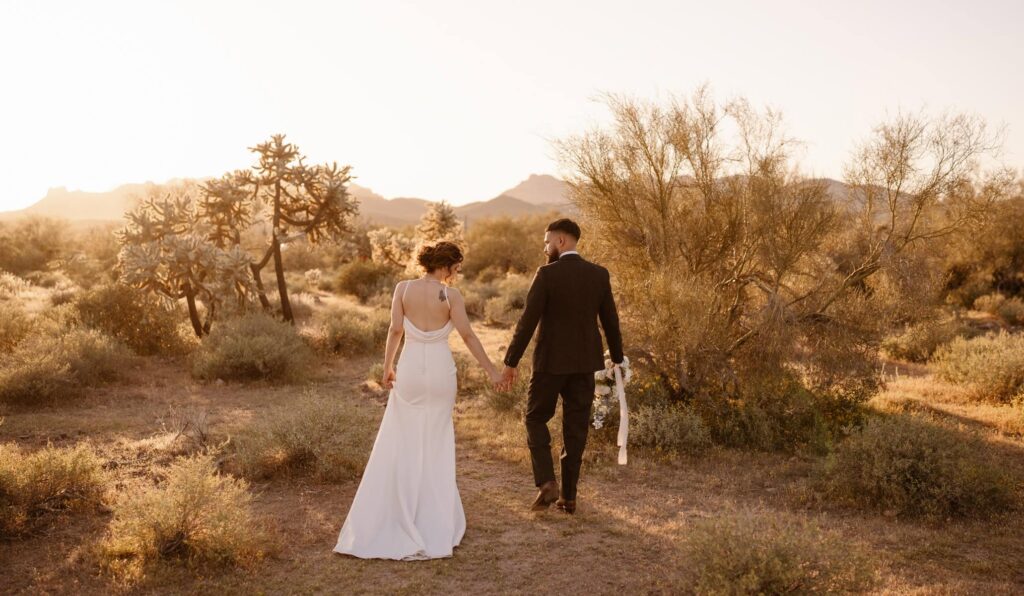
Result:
{"points": [[168, 249], [742, 281]]}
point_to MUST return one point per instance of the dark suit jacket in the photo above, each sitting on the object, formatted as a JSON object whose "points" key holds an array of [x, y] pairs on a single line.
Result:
{"points": [[567, 298]]}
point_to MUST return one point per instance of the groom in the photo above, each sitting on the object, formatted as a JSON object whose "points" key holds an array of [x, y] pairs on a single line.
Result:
{"points": [[567, 298]]}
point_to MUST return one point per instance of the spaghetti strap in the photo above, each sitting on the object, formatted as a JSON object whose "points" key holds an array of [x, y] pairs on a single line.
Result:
{"points": [[446, 298]]}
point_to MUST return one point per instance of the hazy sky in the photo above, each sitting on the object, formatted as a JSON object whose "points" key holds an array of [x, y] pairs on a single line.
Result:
{"points": [[458, 100]]}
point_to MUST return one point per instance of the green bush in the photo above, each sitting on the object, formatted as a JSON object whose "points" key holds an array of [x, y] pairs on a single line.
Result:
{"points": [[743, 552], [46, 367], [364, 279], [909, 467], [132, 316], [918, 342], [673, 428], [35, 486], [991, 366], [195, 516], [350, 332], [328, 438], [250, 347]]}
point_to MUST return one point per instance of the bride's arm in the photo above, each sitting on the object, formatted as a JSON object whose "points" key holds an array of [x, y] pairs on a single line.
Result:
{"points": [[461, 321], [395, 332]]}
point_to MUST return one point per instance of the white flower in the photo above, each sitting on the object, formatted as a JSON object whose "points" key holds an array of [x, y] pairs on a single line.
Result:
{"points": [[608, 363], [626, 377], [602, 390], [599, 376]]}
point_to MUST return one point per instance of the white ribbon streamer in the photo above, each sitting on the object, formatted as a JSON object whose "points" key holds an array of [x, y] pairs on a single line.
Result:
{"points": [[623, 417]]}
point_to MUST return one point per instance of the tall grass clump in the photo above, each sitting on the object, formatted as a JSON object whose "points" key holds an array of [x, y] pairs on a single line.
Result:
{"points": [[328, 438], [992, 367], [253, 346], [670, 428], [195, 516], [907, 466], [36, 487], [15, 325], [744, 552]]}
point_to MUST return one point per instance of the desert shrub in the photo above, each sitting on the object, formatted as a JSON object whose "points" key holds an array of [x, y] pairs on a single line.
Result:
{"points": [[673, 428], [1012, 311], [777, 414], [195, 516], [989, 303], [50, 279], [991, 366], [350, 332], [375, 372], [505, 245], [508, 303], [45, 367], [918, 342], [364, 279], [132, 316], [11, 285], [476, 294], [327, 437], [62, 295], [744, 552], [990, 259], [35, 486], [911, 466], [30, 244], [249, 347], [15, 325]]}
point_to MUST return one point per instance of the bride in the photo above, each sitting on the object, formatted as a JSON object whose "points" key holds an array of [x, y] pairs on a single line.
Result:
{"points": [[407, 505]]}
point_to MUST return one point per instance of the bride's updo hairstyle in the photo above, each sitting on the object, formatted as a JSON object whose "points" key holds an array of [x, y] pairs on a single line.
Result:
{"points": [[438, 256]]}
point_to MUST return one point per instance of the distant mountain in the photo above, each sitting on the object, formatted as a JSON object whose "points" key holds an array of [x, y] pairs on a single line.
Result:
{"points": [[110, 206], [78, 205], [540, 189], [503, 205]]}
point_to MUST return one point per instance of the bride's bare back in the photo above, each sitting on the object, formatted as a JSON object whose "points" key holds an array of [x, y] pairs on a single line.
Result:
{"points": [[425, 303]]}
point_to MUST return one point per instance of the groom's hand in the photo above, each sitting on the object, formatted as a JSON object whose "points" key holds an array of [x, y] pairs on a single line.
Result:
{"points": [[508, 378]]}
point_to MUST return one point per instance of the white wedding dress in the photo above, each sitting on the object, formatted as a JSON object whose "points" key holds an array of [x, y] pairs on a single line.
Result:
{"points": [[407, 505]]}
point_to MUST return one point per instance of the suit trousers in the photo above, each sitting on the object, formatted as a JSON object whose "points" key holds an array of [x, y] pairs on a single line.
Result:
{"points": [[577, 391]]}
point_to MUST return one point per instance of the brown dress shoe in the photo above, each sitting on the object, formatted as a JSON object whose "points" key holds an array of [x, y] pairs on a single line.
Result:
{"points": [[566, 505], [548, 494]]}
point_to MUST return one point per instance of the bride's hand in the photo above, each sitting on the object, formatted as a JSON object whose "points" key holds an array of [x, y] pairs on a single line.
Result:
{"points": [[389, 378], [495, 377]]}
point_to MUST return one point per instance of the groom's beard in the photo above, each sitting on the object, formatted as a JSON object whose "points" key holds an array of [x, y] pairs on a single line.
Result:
{"points": [[553, 256]]}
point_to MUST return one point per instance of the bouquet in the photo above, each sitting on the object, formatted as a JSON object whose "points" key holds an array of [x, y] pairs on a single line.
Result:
{"points": [[609, 388]]}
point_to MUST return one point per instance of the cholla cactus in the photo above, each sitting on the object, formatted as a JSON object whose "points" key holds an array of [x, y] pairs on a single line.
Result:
{"points": [[166, 249]]}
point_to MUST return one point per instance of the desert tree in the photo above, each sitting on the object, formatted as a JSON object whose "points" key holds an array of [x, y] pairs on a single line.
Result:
{"points": [[297, 200], [169, 250], [743, 280]]}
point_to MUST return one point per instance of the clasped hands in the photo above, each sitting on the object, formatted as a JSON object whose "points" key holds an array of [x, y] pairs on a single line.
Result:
{"points": [[506, 380]]}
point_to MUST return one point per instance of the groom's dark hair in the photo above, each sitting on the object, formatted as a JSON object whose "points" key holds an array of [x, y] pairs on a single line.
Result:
{"points": [[565, 225]]}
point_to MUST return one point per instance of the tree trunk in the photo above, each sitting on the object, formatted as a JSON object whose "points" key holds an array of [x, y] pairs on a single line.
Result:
{"points": [[193, 312], [260, 290], [282, 287]]}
